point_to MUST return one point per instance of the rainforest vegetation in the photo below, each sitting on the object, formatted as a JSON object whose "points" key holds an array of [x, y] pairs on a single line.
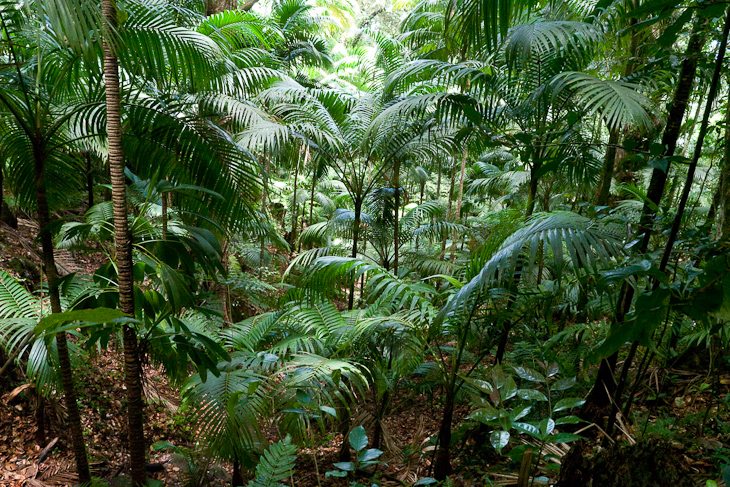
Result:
{"points": [[364, 243]]}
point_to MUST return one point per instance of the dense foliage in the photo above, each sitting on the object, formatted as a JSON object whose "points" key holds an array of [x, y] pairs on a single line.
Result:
{"points": [[304, 211]]}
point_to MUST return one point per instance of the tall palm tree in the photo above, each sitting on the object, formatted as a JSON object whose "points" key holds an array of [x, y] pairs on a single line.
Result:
{"points": [[123, 244], [34, 130]]}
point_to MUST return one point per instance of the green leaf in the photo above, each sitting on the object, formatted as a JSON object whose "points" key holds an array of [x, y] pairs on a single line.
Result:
{"points": [[329, 410], [529, 374], [529, 429], [425, 481], [336, 473], [346, 466], [358, 438], [568, 403], [547, 426], [499, 439], [531, 395], [369, 455], [564, 438], [53, 323], [568, 420], [563, 384]]}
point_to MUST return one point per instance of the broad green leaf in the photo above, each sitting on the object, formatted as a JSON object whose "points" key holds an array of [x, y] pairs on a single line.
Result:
{"points": [[568, 403], [528, 428], [53, 323], [529, 374], [547, 426], [346, 466], [531, 395], [563, 384], [499, 439], [568, 420], [358, 438], [369, 455]]}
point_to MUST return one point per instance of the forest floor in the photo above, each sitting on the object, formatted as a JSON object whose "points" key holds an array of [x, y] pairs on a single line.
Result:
{"points": [[690, 417], [680, 405]]}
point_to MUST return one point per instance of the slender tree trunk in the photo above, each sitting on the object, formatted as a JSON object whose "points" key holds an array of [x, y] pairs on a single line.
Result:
{"points": [[605, 386], [355, 241], [123, 246], [442, 463], [311, 196], [448, 210], [237, 477], [64, 361], [459, 201], [294, 211], [691, 169], [6, 215], [723, 192], [89, 181], [532, 190], [609, 161], [163, 201], [264, 199], [672, 130], [396, 215]]}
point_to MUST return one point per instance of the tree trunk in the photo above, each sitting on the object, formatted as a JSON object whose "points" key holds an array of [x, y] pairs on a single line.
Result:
{"points": [[672, 130], [64, 361], [714, 85], [355, 239], [459, 201], [237, 477], [89, 181], [442, 463], [123, 246], [448, 209], [601, 394], [723, 192], [396, 215], [6, 216], [294, 212], [609, 161], [532, 191]]}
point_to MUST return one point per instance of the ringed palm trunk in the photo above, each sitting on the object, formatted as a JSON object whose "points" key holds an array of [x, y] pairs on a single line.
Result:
{"points": [[64, 361], [123, 246]]}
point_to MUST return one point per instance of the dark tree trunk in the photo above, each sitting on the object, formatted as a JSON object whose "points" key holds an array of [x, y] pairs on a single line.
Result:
{"points": [[294, 211], [123, 246], [691, 169], [355, 241], [6, 216], [532, 191], [723, 192], [396, 216], [64, 361], [442, 463], [89, 181], [599, 399], [609, 161], [237, 477], [672, 129]]}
